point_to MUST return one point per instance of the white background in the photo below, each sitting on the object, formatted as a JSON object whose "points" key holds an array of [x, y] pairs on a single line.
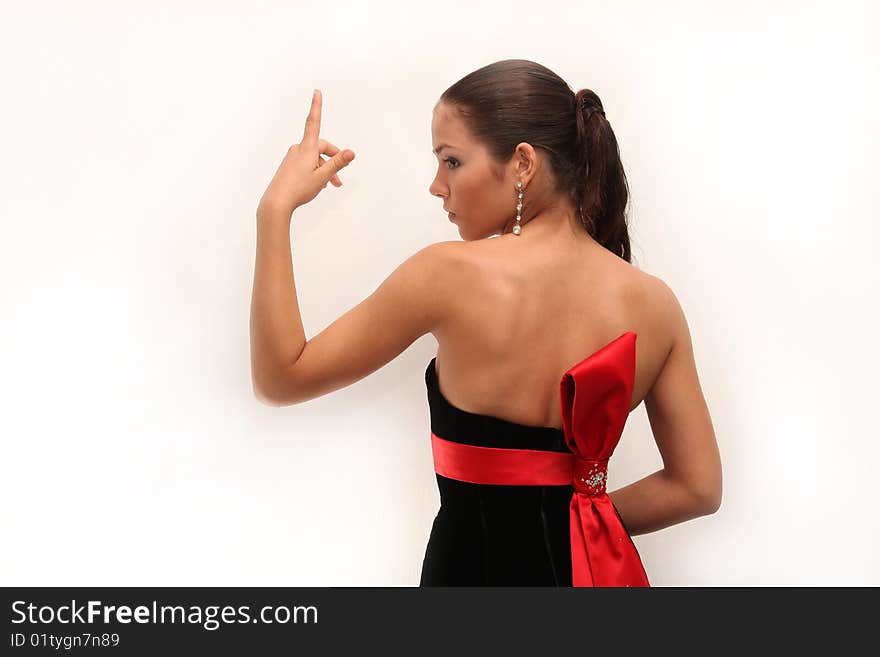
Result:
{"points": [[137, 139]]}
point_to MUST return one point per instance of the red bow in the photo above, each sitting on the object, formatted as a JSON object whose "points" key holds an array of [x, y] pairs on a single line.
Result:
{"points": [[595, 395]]}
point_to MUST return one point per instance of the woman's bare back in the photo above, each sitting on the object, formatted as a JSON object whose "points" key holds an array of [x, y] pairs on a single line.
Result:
{"points": [[524, 313]]}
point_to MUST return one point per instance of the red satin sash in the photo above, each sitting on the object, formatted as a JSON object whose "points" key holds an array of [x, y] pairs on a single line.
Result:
{"points": [[595, 395]]}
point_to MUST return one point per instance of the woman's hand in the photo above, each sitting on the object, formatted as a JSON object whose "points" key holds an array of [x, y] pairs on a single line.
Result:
{"points": [[303, 172]]}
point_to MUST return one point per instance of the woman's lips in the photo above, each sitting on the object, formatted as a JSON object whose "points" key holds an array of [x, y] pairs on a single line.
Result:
{"points": [[451, 216]]}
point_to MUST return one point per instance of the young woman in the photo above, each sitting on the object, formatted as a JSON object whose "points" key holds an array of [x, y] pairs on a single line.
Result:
{"points": [[548, 337]]}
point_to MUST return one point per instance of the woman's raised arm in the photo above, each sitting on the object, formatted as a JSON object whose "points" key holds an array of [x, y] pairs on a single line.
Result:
{"points": [[408, 304]]}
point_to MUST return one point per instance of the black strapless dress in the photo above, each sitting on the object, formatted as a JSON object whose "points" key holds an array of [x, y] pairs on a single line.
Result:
{"points": [[490, 534]]}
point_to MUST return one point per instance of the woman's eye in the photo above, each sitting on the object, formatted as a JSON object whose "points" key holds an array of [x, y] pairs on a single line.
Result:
{"points": [[450, 160]]}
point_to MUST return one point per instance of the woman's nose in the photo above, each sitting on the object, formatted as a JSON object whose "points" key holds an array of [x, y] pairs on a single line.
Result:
{"points": [[436, 189]]}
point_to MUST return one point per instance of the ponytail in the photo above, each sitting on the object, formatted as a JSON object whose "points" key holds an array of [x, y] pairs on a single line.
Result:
{"points": [[600, 186]]}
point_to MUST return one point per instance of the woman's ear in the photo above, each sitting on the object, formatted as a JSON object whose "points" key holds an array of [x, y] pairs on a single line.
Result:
{"points": [[525, 161]]}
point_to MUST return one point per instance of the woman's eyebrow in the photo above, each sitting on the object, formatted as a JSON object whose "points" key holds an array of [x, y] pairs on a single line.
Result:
{"points": [[441, 147]]}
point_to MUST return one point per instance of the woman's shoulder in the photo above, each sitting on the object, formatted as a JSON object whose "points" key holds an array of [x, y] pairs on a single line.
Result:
{"points": [[657, 292], [449, 257], [461, 262], [661, 312]]}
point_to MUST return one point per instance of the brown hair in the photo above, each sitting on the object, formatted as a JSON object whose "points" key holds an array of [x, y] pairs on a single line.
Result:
{"points": [[517, 100]]}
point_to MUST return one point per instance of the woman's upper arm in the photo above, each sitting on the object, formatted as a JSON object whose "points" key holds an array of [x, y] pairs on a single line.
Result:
{"points": [[679, 416], [407, 304]]}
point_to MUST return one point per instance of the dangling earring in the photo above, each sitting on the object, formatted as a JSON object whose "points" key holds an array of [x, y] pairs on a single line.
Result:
{"points": [[517, 227]]}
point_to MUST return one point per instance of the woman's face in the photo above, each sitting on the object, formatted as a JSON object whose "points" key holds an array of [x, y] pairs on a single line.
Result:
{"points": [[481, 202]]}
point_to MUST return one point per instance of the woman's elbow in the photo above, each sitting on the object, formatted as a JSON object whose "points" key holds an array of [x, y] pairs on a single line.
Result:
{"points": [[708, 486], [262, 395], [711, 503], [709, 497]]}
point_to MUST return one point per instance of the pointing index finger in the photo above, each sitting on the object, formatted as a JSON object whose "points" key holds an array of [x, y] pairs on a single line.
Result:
{"points": [[313, 121]]}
